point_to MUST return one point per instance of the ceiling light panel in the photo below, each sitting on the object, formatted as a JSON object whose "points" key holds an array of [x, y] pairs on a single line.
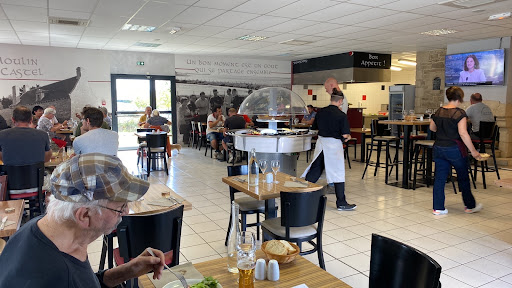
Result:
{"points": [[251, 38], [437, 32], [138, 28]]}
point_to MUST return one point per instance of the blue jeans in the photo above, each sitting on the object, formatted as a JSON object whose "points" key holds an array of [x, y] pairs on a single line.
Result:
{"points": [[445, 157]]}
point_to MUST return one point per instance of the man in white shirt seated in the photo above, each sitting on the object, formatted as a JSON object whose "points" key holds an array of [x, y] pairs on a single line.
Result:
{"points": [[215, 122], [477, 112], [95, 140]]}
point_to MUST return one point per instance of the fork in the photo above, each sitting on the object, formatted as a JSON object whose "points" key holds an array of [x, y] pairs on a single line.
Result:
{"points": [[177, 201], [178, 275]]}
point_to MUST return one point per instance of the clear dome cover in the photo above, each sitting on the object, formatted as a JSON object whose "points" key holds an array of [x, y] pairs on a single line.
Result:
{"points": [[273, 101]]}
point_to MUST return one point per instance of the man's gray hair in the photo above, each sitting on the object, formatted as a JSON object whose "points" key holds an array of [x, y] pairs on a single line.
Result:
{"points": [[48, 111], [62, 211], [156, 113]]}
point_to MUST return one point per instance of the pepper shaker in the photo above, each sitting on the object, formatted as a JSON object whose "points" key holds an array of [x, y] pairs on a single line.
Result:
{"points": [[273, 270]]}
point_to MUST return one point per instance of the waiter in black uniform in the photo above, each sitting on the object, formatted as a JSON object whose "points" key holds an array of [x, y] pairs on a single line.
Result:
{"points": [[333, 129]]}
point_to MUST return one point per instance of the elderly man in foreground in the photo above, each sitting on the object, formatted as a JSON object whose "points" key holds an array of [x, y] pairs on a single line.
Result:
{"points": [[90, 194]]}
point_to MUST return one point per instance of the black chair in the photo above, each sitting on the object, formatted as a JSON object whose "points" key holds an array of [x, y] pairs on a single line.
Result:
{"points": [[157, 149], [160, 231], [24, 177], [300, 212], [378, 139], [488, 133], [397, 265], [248, 205], [193, 134], [142, 146]]}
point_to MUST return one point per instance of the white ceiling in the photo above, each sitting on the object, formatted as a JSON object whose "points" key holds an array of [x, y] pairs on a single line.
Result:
{"points": [[210, 26]]}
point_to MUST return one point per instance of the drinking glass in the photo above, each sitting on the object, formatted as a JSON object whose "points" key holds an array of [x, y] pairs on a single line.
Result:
{"points": [[404, 113], [246, 261], [275, 167], [70, 152], [263, 167], [429, 112], [411, 112]]}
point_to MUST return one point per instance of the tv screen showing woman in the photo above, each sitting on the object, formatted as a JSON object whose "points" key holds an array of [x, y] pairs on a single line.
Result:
{"points": [[475, 68]]}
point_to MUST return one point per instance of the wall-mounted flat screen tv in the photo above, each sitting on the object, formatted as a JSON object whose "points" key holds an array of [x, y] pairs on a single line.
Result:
{"points": [[475, 68]]}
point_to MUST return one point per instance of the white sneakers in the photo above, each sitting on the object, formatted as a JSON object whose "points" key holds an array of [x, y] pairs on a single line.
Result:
{"points": [[477, 208]]}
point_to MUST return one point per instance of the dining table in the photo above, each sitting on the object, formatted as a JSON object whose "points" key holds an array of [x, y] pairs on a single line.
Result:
{"points": [[13, 216], [299, 271], [270, 191], [364, 133], [407, 126]]}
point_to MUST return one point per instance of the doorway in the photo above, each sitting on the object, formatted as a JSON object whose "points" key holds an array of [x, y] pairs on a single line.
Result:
{"points": [[131, 94]]}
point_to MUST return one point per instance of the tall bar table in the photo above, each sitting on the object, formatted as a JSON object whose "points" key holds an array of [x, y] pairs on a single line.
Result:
{"points": [[407, 128]]}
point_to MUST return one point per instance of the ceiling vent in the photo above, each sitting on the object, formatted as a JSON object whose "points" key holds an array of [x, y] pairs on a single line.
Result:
{"points": [[145, 44], [68, 21], [467, 3]]}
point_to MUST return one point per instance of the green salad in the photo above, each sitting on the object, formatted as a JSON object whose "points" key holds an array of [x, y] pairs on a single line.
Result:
{"points": [[208, 282]]}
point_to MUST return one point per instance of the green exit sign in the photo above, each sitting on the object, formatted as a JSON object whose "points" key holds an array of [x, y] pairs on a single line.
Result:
{"points": [[140, 63]]}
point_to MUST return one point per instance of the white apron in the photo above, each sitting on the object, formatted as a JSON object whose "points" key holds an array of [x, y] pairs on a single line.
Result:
{"points": [[333, 159]]}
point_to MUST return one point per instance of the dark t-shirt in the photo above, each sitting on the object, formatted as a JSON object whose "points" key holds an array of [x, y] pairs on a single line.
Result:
{"points": [[446, 120], [235, 122], [23, 145], [331, 122], [157, 121], [30, 259]]}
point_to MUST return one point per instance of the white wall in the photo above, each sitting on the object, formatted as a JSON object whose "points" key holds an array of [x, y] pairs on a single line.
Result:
{"points": [[496, 93], [124, 62], [354, 92]]}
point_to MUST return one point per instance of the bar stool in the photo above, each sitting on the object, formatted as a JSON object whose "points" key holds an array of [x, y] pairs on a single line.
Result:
{"points": [[376, 143], [487, 136]]}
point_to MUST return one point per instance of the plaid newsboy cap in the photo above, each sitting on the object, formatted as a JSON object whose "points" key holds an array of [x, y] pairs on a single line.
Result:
{"points": [[95, 176]]}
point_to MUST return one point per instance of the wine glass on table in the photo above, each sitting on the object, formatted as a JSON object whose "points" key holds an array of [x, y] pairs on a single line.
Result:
{"points": [[404, 113], [275, 167], [263, 167]]}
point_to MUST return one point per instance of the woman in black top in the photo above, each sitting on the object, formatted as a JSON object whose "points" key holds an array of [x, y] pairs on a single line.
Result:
{"points": [[452, 138]]}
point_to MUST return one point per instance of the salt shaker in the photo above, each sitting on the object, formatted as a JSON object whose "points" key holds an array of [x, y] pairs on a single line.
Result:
{"points": [[260, 270], [273, 270]]}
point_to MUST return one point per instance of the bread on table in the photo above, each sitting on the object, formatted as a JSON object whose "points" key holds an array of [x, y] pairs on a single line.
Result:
{"points": [[276, 247]]}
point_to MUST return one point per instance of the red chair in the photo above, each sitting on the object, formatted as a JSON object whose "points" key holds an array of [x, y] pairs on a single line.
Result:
{"points": [[24, 177]]}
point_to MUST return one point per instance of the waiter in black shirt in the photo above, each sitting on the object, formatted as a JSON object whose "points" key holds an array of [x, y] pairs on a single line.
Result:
{"points": [[333, 129]]}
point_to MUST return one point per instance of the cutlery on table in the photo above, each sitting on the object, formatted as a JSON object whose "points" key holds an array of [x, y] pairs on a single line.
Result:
{"points": [[177, 201], [2, 226], [178, 275]]}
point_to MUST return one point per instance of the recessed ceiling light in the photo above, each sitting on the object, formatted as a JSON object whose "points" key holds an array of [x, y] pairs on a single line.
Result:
{"points": [[407, 62], [174, 30], [251, 38], [395, 68], [499, 16], [295, 42], [438, 32], [140, 28]]}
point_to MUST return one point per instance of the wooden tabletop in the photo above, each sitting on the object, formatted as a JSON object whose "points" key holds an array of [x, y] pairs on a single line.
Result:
{"points": [[300, 271], [403, 122], [13, 216], [156, 192], [64, 131], [266, 191], [361, 130], [55, 161]]}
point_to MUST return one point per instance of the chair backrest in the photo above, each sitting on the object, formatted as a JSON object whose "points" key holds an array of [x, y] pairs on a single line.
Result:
{"points": [[160, 231], [236, 171], [302, 209], [194, 125], [24, 176], [394, 264], [486, 130], [377, 129], [156, 140], [144, 130]]}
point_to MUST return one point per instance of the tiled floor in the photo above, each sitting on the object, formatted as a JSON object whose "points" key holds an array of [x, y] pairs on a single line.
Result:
{"points": [[474, 250]]}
